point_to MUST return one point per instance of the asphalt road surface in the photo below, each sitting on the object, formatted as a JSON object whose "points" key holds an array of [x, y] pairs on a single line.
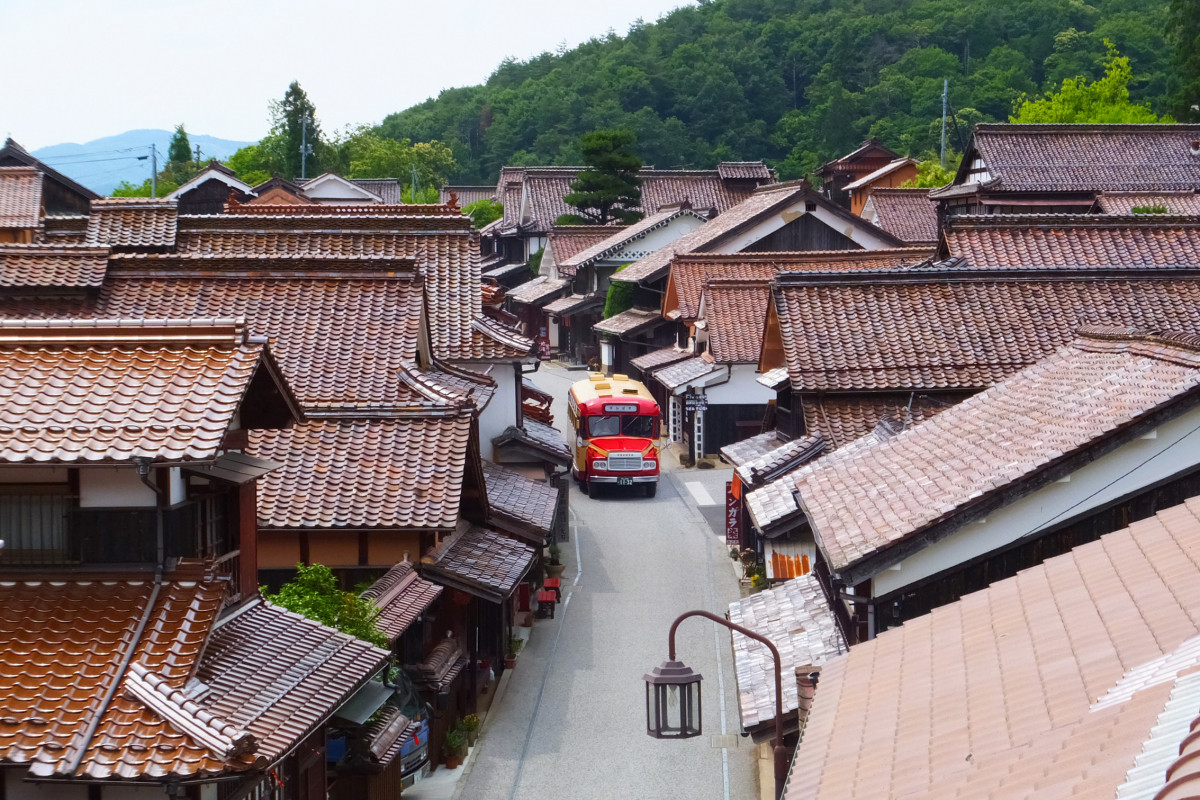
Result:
{"points": [[572, 723]]}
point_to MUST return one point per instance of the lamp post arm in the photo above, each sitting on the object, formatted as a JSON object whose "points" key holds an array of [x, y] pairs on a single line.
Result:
{"points": [[758, 638]]}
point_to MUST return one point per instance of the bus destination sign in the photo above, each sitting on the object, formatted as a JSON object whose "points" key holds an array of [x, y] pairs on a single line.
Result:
{"points": [[619, 409]]}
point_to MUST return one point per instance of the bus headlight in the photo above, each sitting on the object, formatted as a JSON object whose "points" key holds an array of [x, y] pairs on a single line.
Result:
{"points": [[649, 464], [599, 464]]}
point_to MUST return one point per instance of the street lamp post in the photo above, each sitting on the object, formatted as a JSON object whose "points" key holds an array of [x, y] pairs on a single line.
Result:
{"points": [[673, 712]]}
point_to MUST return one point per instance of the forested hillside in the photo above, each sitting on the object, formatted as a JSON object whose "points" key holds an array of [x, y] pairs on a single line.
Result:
{"points": [[793, 81]]}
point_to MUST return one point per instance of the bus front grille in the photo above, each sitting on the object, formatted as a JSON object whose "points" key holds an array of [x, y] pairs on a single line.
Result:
{"points": [[624, 462]]}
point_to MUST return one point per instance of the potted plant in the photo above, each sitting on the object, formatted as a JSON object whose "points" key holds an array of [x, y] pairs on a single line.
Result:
{"points": [[514, 647], [455, 747], [554, 565], [470, 726], [758, 578]]}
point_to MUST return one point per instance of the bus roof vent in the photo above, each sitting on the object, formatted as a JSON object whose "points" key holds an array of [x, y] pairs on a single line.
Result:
{"points": [[629, 391], [619, 377], [596, 377], [600, 386]]}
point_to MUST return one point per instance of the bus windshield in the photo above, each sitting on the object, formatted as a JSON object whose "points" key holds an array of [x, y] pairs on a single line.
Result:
{"points": [[622, 424]]}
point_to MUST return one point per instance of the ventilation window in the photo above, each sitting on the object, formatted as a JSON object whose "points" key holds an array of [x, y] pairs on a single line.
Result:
{"points": [[810, 206]]}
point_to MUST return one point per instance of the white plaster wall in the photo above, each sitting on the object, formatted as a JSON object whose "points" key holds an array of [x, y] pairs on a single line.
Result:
{"points": [[113, 487], [654, 240], [501, 411], [792, 213], [741, 390], [33, 474], [178, 489], [1174, 448]]}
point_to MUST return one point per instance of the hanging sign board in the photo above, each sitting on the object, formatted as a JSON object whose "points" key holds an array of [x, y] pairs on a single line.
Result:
{"points": [[733, 514]]}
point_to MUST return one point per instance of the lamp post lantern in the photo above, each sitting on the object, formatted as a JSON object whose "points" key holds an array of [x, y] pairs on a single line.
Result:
{"points": [[673, 696]]}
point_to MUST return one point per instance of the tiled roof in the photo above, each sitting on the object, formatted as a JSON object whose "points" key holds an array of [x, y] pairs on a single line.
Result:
{"points": [[947, 329], [338, 341], [1081, 395], [278, 675], [401, 596], [886, 169], [1084, 158], [618, 239], [762, 203], [452, 385], [439, 239], [751, 448], [20, 197], [59, 644], [543, 438], [364, 473], [64, 229], [774, 378], [736, 312], [796, 617], [1176, 203], [629, 322], [114, 391], [745, 170], [675, 375], [995, 695], [515, 500], [573, 304], [689, 273], [786, 456], [545, 187], [52, 265], [14, 154], [269, 678], [467, 194], [659, 358], [481, 562], [386, 189], [907, 214], [132, 222], [537, 291], [504, 270], [1061, 240], [567, 241], [841, 418]]}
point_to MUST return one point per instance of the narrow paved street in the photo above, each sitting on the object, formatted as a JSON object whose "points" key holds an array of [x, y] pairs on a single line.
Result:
{"points": [[572, 723]]}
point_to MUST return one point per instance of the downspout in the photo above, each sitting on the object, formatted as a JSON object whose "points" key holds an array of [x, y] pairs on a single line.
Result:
{"points": [[143, 469]]}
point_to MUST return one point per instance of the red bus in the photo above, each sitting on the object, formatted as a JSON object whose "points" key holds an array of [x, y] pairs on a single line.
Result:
{"points": [[615, 422]]}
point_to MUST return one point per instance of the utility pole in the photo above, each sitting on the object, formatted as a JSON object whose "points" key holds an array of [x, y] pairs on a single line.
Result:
{"points": [[945, 99], [305, 147], [197, 155], [413, 198], [153, 171]]}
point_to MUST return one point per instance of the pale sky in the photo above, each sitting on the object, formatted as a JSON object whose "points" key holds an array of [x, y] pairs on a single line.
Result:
{"points": [[77, 70]]}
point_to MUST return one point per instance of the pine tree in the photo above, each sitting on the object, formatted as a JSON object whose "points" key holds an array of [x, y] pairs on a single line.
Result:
{"points": [[609, 189]]}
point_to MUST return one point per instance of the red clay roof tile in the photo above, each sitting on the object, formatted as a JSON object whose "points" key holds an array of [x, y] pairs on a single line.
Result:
{"points": [[20, 197], [995, 695], [401, 596], [1067, 402], [934, 329], [132, 223], [52, 265], [364, 473], [108, 391]]}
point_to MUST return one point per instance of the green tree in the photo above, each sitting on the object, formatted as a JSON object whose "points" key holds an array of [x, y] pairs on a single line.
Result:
{"points": [[1183, 31], [314, 593], [608, 188], [127, 189], [619, 298], [1102, 101], [483, 212], [294, 121], [180, 148], [254, 161], [930, 174]]}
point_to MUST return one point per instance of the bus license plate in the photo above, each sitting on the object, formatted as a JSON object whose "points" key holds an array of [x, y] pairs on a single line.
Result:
{"points": [[624, 481]]}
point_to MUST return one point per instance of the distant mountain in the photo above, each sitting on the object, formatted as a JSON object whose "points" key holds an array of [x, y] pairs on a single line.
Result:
{"points": [[102, 164]]}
